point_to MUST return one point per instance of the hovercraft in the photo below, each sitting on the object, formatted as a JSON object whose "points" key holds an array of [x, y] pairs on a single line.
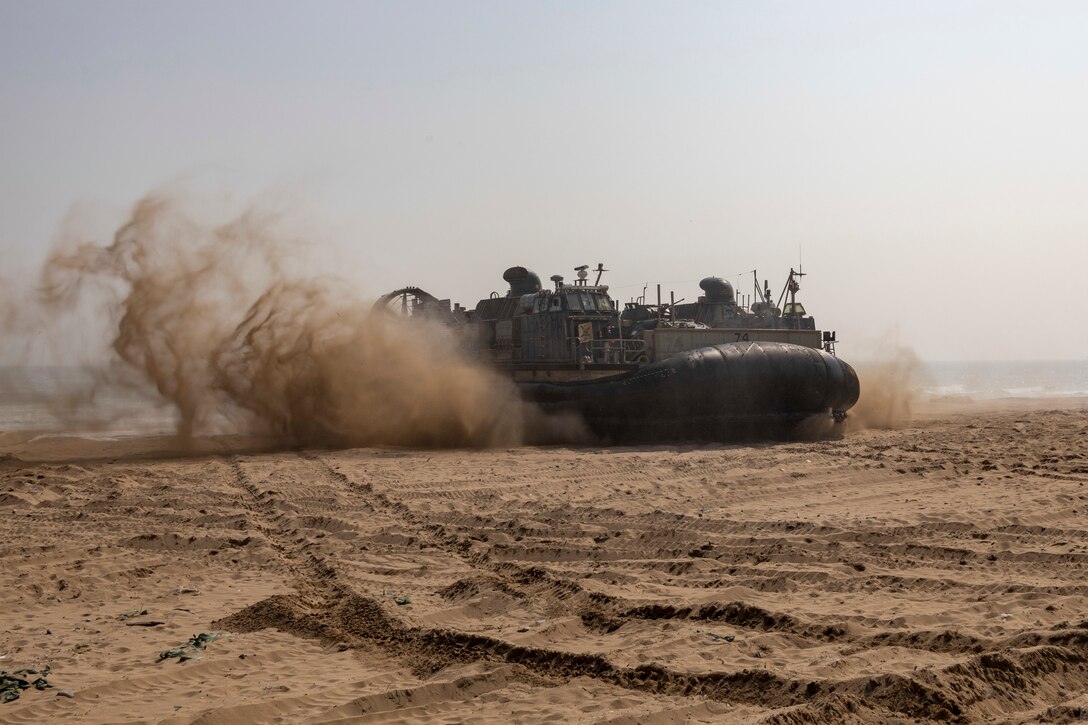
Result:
{"points": [[718, 369]]}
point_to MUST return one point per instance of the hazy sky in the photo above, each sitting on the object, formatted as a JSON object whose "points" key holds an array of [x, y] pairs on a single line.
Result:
{"points": [[929, 159]]}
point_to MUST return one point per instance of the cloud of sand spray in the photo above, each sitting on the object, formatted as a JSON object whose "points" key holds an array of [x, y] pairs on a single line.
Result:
{"points": [[213, 318], [889, 389]]}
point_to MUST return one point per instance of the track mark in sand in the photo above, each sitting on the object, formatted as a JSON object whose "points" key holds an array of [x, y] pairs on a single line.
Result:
{"points": [[315, 580], [432, 534], [604, 613], [563, 594], [328, 609], [944, 694], [597, 611], [358, 621]]}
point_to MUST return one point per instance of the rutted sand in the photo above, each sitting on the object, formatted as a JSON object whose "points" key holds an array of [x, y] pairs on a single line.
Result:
{"points": [[935, 572]]}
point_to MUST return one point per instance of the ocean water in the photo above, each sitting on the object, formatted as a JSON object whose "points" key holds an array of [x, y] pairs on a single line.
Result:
{"points": [[989, 380], [73, 400]]}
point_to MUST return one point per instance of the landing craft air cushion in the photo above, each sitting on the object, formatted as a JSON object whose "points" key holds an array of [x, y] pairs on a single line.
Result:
{"points": [[713, 369]]}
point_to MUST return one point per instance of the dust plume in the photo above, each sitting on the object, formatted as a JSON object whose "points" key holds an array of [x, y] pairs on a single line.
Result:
{"points": [[889, 390], [214, 315]]}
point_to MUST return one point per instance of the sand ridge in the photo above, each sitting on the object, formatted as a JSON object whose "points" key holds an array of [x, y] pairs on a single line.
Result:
{"points": [[929, 573]]}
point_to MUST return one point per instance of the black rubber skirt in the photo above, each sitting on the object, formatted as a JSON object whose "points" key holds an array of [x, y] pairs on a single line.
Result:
{"points": [[729, 392]]}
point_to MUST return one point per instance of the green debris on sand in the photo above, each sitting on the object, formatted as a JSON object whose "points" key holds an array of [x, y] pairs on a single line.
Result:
{"points": [[403, 599], [11, 686], [188, 651]]}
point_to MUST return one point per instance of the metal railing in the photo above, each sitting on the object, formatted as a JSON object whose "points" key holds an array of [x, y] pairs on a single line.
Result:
{"points": [[613, 351]]}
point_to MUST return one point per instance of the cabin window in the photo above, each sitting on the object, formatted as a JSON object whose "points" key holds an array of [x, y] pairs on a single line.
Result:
{"points": [[603, 303], [573, 303]]}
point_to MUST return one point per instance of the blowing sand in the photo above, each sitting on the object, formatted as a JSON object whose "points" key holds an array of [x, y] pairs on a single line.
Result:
{"points": [[933, 572]]}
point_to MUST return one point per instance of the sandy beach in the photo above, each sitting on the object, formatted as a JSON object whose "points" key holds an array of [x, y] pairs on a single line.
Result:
{"points": [[935, 572]]}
